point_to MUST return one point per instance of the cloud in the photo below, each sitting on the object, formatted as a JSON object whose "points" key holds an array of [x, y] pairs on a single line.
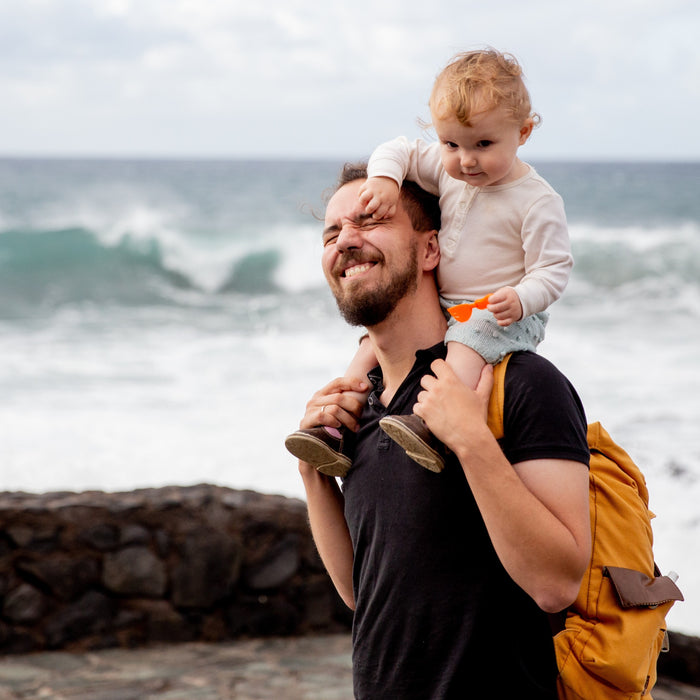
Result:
{"points": [[293, 77]]}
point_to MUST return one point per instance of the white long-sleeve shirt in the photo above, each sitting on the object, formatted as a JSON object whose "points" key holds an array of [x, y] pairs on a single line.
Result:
{"points": [[512, 235]]}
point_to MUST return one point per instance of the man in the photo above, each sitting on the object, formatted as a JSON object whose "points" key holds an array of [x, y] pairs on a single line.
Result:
{"points": [[451, 574]]}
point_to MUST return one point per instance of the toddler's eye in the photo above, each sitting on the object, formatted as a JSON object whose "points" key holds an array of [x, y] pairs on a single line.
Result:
{"points": [[484, 144]]}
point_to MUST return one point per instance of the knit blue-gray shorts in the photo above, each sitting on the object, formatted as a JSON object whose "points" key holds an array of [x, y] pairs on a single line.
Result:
{"points": [[493, 342]]}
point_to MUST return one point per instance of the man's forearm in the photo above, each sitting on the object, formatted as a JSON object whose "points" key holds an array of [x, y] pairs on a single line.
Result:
{"points": [[329, 529]]}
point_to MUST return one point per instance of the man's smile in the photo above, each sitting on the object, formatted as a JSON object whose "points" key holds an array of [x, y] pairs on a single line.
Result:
{"points": [[354, 270]]}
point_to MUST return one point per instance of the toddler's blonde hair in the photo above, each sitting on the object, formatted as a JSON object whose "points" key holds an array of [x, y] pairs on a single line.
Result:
{"points": [[481, 80]]}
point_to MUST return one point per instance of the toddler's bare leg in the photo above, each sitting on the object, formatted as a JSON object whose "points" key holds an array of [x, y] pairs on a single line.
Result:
{"points": [[466, 363], [360, 365]]}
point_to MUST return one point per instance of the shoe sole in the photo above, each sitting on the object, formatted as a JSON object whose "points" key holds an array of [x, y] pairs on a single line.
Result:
{"points": [[416, 448], [316, 453]]}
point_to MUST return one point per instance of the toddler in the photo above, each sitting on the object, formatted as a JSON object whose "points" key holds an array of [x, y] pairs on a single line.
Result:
{"points": [[503, 233]]}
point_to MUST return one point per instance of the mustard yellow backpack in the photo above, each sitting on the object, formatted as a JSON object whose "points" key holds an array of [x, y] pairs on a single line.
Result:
{"points": [[616, 628]]}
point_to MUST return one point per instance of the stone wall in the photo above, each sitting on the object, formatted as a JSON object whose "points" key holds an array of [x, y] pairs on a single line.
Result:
{"points": [[94, 569]]}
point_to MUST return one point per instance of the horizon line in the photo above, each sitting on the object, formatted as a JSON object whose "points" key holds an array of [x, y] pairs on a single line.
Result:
{"points": [[310, 158]]}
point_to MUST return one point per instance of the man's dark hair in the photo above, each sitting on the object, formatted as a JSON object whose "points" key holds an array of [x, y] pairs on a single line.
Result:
{"points": [[423, 208]]}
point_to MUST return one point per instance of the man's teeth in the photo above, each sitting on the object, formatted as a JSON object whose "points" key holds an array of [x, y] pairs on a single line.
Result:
{"points": [[357, 269]]}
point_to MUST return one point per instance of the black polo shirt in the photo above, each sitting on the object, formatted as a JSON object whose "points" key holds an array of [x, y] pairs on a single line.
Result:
{"points": [[437, 616]]}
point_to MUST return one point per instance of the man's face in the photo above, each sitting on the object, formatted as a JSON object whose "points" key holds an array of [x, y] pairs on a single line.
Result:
{"points": [[370, 265]]}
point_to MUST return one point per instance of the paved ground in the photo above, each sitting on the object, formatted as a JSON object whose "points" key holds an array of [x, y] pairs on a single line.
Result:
{"points": [[306, 668], [313, 668]]}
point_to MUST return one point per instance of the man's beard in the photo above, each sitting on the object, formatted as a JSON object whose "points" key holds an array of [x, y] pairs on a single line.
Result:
{"points": [[368, 307]]}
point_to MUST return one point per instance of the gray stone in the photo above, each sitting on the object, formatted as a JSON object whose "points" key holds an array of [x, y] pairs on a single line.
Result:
{"points": [[134, 534], [31, 536], [165, 624], [21, 535], [24, 604], [88, 615], [103, 536], [162, 540], [209, 566], [65, 576], [280, 564], [134, 571]]}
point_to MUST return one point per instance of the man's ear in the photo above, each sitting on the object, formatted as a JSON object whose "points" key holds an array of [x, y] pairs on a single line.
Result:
{"points": [[432, 251]]}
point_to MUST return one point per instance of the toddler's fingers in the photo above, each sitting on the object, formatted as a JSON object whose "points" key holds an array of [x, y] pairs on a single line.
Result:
{"points": [[385, 211], [372, 205], [380, 211]]}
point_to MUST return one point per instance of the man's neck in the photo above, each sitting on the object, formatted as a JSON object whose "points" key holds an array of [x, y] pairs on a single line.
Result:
{"points": [[396, 342]]}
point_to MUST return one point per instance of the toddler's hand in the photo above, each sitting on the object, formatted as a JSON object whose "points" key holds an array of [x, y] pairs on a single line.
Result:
{"points": [[505, 305], [379, 196]]}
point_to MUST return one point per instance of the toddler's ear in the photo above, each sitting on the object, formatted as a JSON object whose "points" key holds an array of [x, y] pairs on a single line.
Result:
{"points": [[526, 130]]}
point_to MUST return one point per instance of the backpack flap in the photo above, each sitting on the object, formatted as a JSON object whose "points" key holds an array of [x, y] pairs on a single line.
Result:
{"points": [[635, 589]]}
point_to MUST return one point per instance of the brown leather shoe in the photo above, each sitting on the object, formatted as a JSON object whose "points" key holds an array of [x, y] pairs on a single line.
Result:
{"points": [[413, 435], [321, 447]]}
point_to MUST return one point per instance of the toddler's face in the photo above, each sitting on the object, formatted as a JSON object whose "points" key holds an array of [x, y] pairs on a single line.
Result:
{"points": [[485, 153]]}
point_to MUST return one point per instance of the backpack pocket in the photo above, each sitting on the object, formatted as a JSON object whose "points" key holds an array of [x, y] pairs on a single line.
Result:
{"points": [[620, 646]]}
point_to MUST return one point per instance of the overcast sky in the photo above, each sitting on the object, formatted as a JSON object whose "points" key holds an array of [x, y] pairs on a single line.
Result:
{"points": [[612, 79]]}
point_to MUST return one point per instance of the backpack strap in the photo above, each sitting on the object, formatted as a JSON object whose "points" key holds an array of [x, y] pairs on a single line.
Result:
{"points": [[497, 399]]}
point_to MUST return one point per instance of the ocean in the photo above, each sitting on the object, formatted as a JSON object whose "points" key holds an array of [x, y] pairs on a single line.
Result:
{"points": [[164, 322]]}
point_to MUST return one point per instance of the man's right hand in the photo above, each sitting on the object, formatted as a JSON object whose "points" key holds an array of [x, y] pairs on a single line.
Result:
{"points": [[379, 196], [334, 405]]}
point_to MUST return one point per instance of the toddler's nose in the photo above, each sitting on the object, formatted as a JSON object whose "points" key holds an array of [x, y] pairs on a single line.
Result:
{"points": [[467, 160]]}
